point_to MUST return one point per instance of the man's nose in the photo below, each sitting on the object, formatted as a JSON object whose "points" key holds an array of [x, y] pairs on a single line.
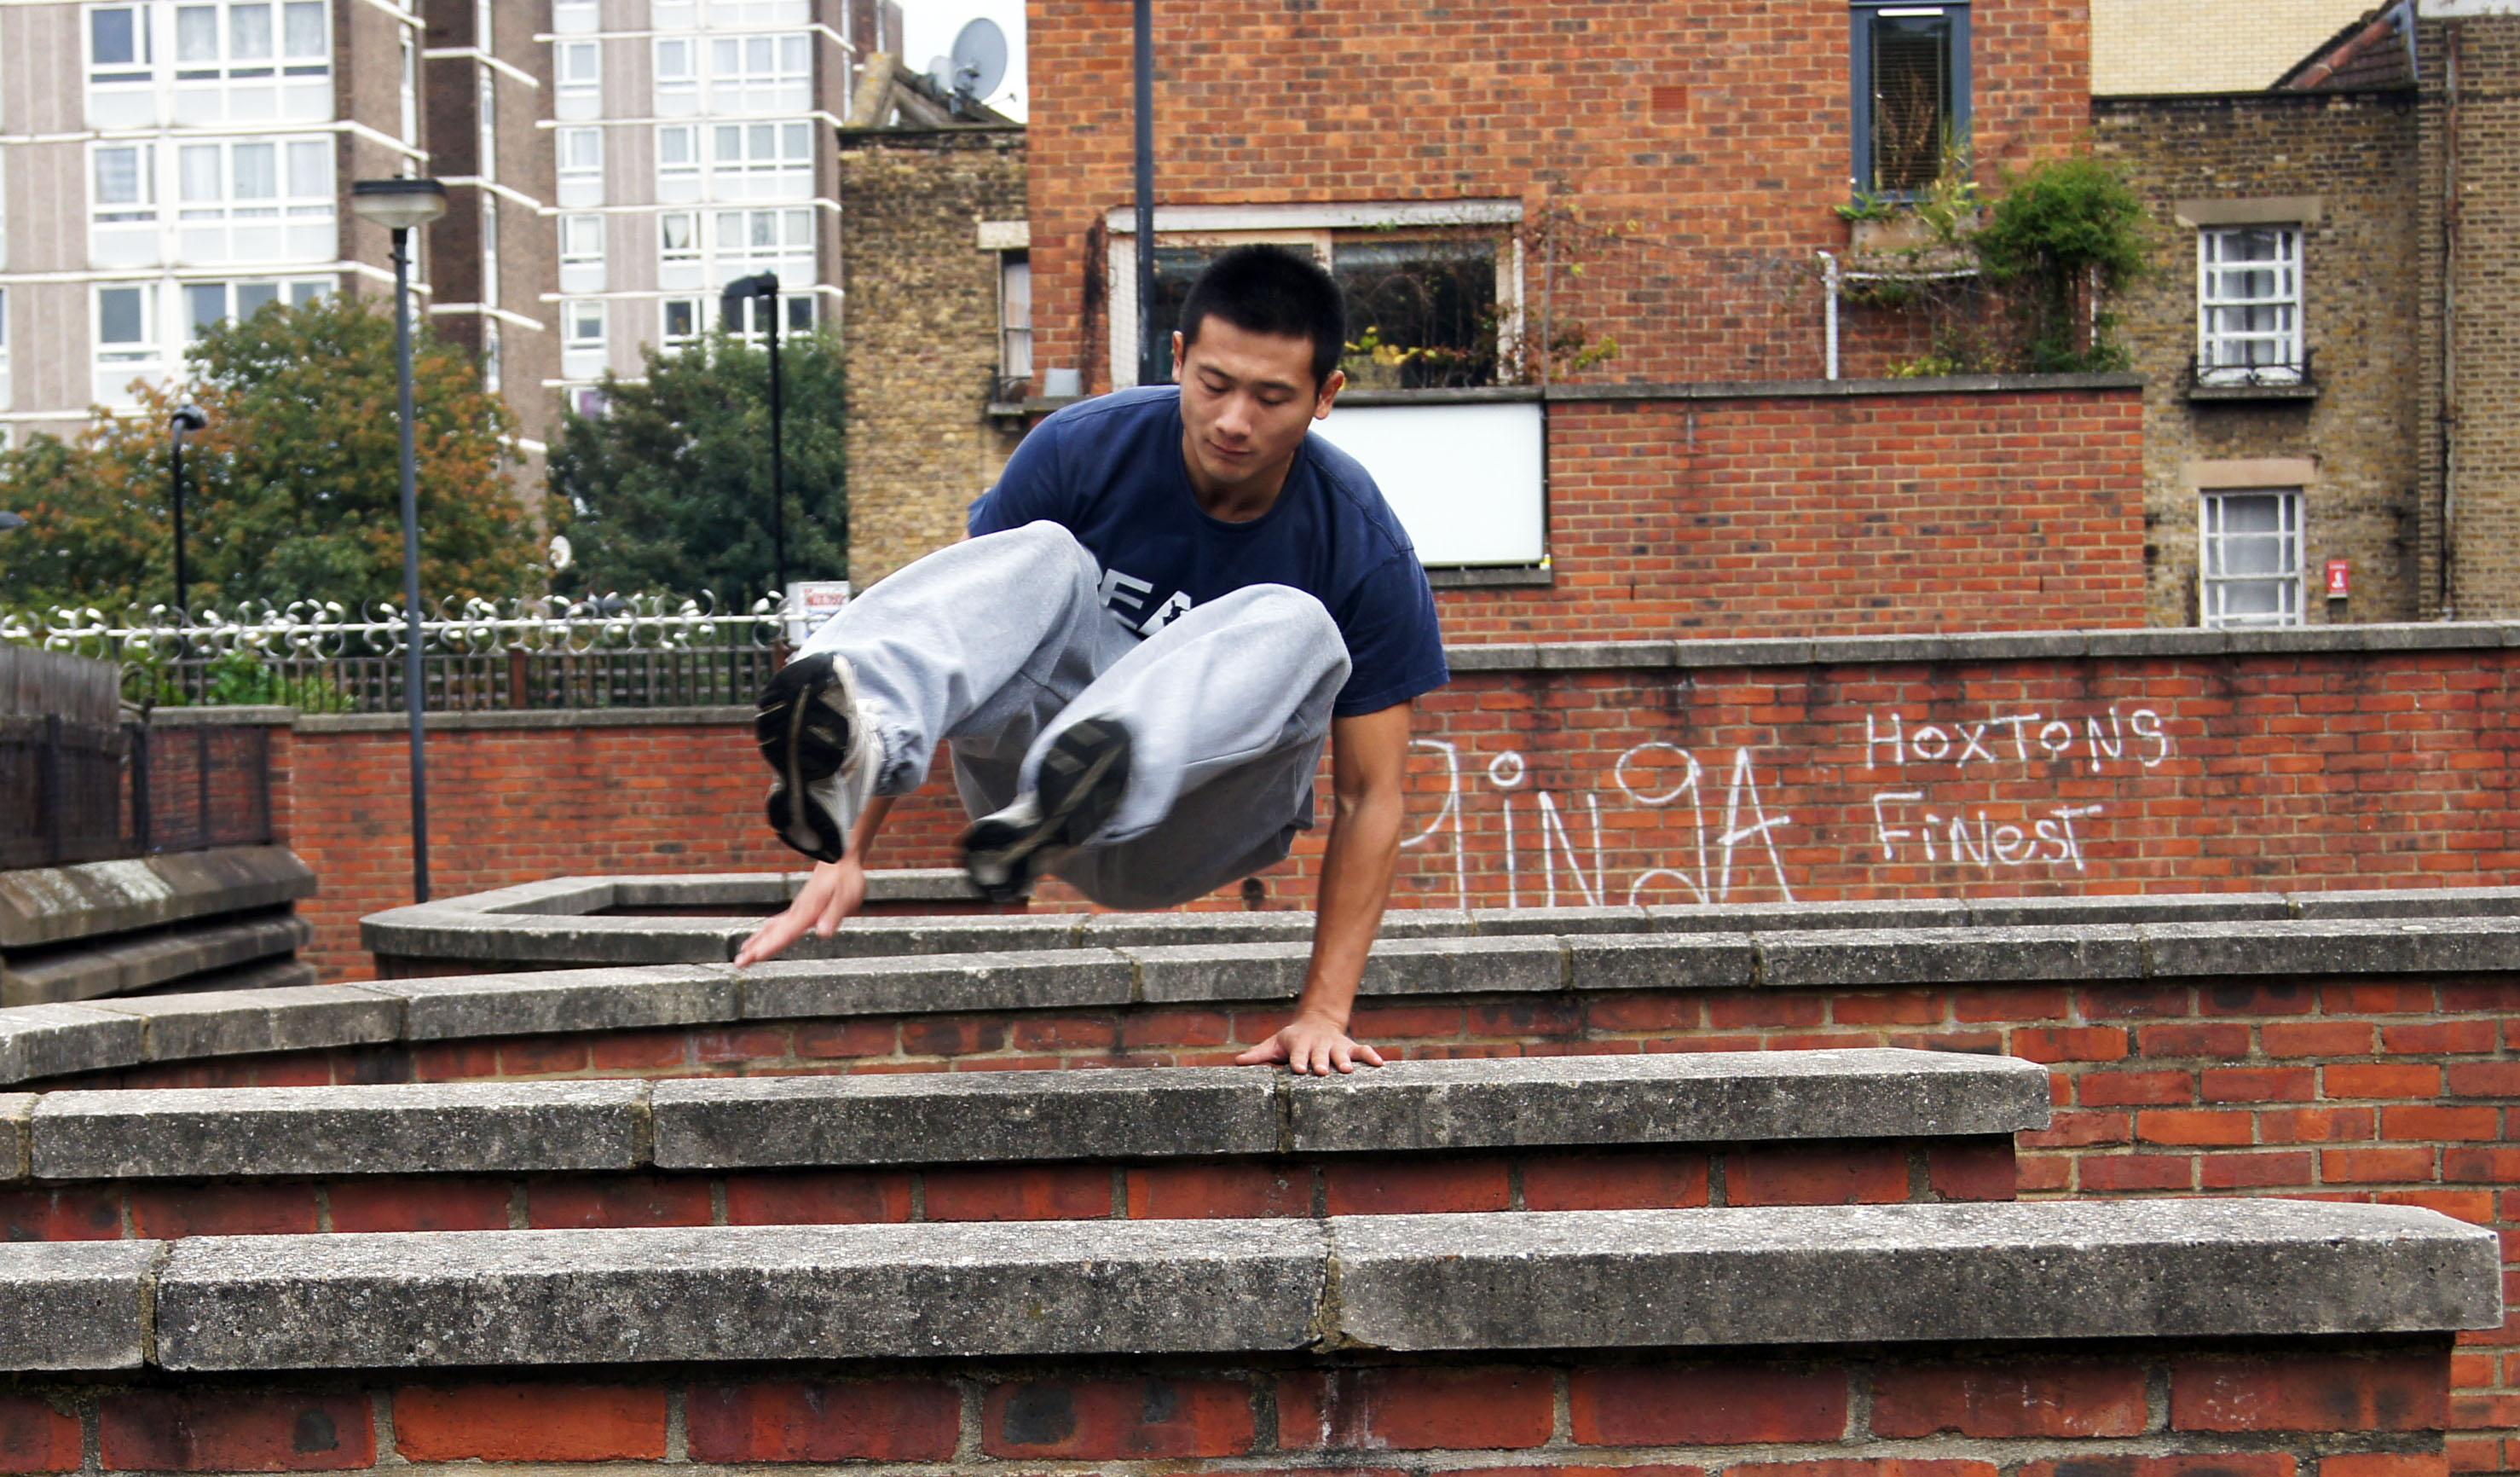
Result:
{"points": [[1234, 418]]}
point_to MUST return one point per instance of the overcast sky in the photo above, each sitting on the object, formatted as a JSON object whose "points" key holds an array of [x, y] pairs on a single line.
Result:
{"points": [[928, 27]]}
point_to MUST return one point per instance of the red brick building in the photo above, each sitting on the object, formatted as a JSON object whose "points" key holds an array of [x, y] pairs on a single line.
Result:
{"points": [[1595, 364]]}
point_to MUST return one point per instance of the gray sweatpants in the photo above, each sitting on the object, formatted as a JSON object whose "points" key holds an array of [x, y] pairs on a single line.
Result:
{"points": [[996, 645]]}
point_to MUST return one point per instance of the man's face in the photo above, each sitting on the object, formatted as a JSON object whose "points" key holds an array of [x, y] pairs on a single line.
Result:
{"points": [[1246, 401]]}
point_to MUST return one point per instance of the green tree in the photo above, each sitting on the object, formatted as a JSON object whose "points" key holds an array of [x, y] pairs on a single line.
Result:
{"points": [[2069, 235], [668, 490], [294, 490]]}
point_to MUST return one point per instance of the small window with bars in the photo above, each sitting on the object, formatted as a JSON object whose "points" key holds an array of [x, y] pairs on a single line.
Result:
{"points": [[2249, 549], [1912, 95], [2248, 305]]}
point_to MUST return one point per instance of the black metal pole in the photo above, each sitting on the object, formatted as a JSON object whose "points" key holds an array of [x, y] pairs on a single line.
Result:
{"points": [[1154, 342], [181, 580], [777, 453], [411, 692]]}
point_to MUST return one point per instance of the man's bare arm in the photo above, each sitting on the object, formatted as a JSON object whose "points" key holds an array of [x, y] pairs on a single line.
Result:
{"points": [[835, 891], [1369, 756]]}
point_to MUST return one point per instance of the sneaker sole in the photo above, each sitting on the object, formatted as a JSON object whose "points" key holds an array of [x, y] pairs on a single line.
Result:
{"points": [[1082, 779], [804, 739]]}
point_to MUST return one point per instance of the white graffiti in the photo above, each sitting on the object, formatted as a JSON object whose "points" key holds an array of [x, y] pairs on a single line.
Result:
{"points": [[1994, 839], [2024, 737], [1564, 842]]}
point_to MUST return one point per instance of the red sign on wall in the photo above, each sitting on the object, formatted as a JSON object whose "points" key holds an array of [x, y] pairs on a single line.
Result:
{"points": [[2340, 579]]}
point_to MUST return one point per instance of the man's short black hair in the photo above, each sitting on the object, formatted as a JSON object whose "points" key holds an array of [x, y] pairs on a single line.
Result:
{"points": [[1269, 289]]}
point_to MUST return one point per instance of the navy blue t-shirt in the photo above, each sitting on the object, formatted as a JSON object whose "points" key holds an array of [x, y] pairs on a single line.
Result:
{"points": [[1110, 471]]}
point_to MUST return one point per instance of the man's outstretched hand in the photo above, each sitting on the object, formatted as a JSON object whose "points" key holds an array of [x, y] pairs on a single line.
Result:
{"points": [[835, 891], [1312, 1044]]}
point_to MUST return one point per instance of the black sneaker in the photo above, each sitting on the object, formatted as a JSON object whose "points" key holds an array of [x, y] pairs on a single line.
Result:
{"points": [[1082, 779], [824, 759]]}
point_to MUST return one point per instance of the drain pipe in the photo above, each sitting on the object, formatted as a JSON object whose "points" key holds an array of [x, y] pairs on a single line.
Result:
{"points": [[1829, 285], [2449, 325]]}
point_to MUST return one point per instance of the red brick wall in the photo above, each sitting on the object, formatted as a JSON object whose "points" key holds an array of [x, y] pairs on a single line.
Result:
{"points": [[1730, 784], [2321, 1411], [1773, 517], [1702, 156]]}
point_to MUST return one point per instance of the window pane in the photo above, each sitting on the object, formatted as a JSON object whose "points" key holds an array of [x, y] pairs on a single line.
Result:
{"points": [[305, 22], [257, 172], [729, 144], [756, 55], [1422, 312], [791, 53], [674, 146], [761, 139], [673, 60], [801, 314], [250, 33], [117, 176], [253, 297], [676, 232], [795, 143], [199, 168], [680, 317], [301, 293], [205, 304], [1911, 99], [119, 316], [111, 35], [310, 168], [197, 33], [723, 58]]}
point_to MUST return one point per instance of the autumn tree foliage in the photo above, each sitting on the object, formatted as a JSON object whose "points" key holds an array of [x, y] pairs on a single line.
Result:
{"points": [[291, 493], [668, 491]]}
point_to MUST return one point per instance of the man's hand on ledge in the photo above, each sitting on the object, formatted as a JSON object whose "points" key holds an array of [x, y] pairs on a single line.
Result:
{"points": [[1312, 1044], [834, 892]]}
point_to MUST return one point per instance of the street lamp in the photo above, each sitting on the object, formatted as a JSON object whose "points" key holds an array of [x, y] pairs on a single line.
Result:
{"points": [[186, 418], [763, 287], [403, 206]]}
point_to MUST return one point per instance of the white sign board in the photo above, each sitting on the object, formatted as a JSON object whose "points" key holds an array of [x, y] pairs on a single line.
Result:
{"points": [[1467, 481], [810, 603]]}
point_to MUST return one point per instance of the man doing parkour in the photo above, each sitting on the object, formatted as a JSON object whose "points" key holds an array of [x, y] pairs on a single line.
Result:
{"points": [[1171, 599]]}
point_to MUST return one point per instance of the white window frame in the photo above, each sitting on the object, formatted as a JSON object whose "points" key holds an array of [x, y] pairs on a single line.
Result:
{"points": [[750, 87], [115, 369], [296, 291], [581, 252], [485, 83], [227, 68], [576, 17], [684, 182], [138, 73], [782, 171], [2226, 356], [4, 351], [2214, 583], [684, 265], [741, 257], [583, 355], [581, 183], [228, 228], [697, 307], [578, 79], [490, 248], [677, 83], [1014, 317], [493, 356], [750, 326], [410, 88]]}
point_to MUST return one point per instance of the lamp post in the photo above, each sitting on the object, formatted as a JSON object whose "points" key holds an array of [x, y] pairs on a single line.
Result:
{"points": [[1155, 339], [402, 206], [763, 287], [186, 418]]}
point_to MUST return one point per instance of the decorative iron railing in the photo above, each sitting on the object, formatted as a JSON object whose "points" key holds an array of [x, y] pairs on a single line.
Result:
{"points": [[609, 651]]}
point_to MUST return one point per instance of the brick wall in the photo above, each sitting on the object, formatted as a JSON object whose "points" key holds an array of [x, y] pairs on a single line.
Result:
{"points": [[1701, 164], [2351, 153], [1946, 777], [2158, 46], [2329, 1408], [922, 340]]}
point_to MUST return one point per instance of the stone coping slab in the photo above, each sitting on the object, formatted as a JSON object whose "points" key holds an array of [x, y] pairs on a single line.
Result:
{"points": [[125, 963], [44, 1042], [48, 906], [1015, 1117], [551, 921], [1771, 1276]]}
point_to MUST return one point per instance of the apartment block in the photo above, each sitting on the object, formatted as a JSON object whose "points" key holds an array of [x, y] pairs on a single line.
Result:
{"points": [[165, 165]]}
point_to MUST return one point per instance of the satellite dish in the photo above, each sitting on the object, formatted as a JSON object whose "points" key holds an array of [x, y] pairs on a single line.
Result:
{"points": [[979, 60], [940, 71]]}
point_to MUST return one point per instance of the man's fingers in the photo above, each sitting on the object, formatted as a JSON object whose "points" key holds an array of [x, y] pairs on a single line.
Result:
{"points": [[1270, 1050], [1369, 1054]]}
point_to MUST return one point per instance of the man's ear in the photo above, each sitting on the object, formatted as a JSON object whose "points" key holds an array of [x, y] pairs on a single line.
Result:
{"points": [[1331, 389], [1177, 355]]}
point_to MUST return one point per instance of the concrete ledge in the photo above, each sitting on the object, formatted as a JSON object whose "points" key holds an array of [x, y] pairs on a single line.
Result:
{"points": [[560, 1000], [42, 905], [937, 1117], [122, 964], [915, 984], [75, 1305], [2336, 946], [1889, 1274], [1798, 1275], [1926, 956], [458, 1128], [730, 1293]]}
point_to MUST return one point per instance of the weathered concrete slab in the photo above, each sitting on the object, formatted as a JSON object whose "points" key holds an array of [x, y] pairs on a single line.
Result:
{"points": [[1172, 973], [1397, 967], [2334, 946], [75, 1305], [977, 934], [1716, 1097], [1774, 917], [124, 963], [63, 1041], [40, 906], [1867, 1273], [739, 1293], [964, 1118], [1558, 922], [450, 1128], [2150, 907], [15, 1109], [242, 1022], [562, 1000], [1167, 930], [919, 983], [1660, 961], [2410, 902], [1953, 956]]}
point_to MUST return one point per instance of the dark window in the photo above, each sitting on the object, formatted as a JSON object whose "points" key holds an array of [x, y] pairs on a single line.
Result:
{"points": [[1911, 94], [1420, 315]]}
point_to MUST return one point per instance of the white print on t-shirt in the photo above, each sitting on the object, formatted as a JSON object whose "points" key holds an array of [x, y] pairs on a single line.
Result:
{"points": [[1128, 590]]}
